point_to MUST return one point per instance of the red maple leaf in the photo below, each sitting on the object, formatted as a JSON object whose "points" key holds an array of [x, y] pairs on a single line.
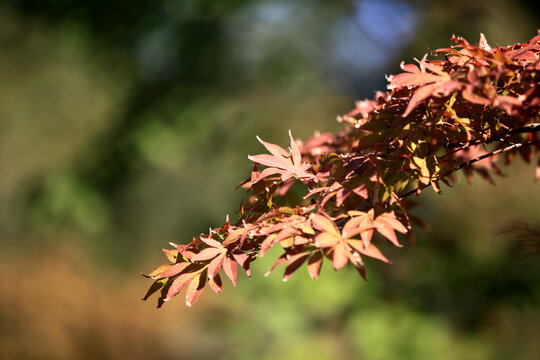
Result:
{"points": [[435, 82], [286, 164], [386, 224], [343, 244]]}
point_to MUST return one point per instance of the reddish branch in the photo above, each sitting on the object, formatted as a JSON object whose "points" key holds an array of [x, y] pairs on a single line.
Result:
{"points": [[530, 128], [493, 153]]}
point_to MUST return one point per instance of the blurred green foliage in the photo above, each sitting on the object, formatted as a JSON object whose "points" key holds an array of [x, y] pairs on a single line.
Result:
{"points": [[126, 125]]}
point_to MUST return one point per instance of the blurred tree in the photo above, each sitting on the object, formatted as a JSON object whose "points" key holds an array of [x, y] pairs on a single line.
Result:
{"points": [[107, 138]]}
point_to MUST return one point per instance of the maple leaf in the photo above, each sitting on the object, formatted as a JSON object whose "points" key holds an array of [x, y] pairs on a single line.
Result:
{"points": [[386, 224], [220, 258], [286, 164], [215, 252], [296, 259], [343, 244], [286, 232], [435, 82]]}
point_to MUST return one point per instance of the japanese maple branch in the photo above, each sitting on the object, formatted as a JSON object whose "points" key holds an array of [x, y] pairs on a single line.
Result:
{"points": [[529, 128], [485, 156]]}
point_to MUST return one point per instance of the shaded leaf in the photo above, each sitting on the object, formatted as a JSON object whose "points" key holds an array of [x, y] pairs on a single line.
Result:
{"points": [[215, 284], [280, 260], [314, 265], [295, 261], [230, 268], [244, 260], [156, 285]]}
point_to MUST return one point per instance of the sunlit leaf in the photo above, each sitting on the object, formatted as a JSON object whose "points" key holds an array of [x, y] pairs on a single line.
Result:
{"points": [[173, 270], [215, 265], [287, 165], [195, 288], [207, 254], [179, 283]]}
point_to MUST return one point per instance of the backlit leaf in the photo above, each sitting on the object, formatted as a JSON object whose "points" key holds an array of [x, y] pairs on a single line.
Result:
{"points": [[207, 254], [179, 283], [173, 270], [230, 268], [172, 254], [195, 288], [215, 265], [282, 163], [157, 271], [325, 240], [324, 224]]}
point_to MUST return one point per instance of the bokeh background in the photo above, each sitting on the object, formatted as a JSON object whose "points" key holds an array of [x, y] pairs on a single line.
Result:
{"points": [[126, 124]]}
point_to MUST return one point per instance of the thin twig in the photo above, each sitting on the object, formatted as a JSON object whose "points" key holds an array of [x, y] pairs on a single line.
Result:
{"points": [[529, 128], [482, 157]]}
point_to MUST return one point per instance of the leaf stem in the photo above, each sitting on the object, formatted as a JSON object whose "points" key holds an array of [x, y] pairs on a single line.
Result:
{"points": [[482, 157]]}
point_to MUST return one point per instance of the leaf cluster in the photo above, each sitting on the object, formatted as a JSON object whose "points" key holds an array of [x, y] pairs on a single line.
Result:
{"points": [[465, 110]]}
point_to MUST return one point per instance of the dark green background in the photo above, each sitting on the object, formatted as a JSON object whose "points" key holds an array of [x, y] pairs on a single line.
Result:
{"points": [[126, 124]]}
